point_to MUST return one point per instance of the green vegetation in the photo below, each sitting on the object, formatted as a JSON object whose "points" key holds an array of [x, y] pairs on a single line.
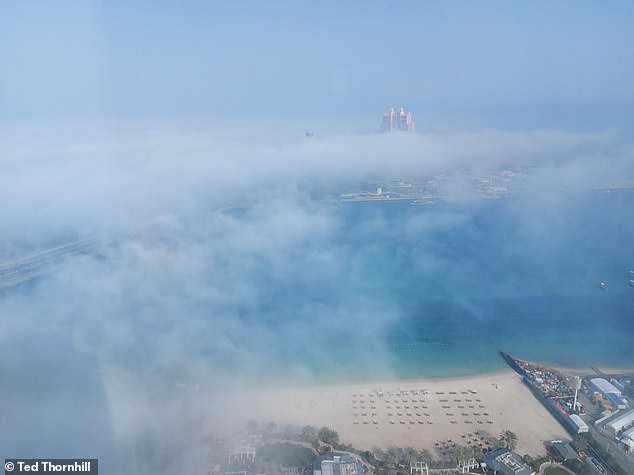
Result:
{"points": [[328, 436], [536, 463], [508, 439], [324, 435], [392, 458], [578, 467], [580, 442], [286, 455], [400, 458], [555, 471]]}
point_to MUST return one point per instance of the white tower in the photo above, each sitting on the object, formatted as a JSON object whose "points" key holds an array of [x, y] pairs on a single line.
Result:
{"points": [[577, 388], [401, 120]]}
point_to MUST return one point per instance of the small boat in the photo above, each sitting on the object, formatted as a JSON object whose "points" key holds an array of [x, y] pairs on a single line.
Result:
{"points": [[603, 286]]}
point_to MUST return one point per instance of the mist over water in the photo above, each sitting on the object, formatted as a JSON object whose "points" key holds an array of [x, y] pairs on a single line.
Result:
{"points": [[482, 282], [227, 262], [172, 140]]}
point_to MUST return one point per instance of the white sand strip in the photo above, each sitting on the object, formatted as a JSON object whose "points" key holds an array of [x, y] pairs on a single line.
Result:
{"points": [[409, 413]]}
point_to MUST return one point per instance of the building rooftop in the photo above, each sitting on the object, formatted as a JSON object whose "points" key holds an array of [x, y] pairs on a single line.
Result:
{"points": [[618, 401], [627, 438], [565, 450], [629, 433], [621, 421], [579, 422], [507, 463], [604, 386], [334, 463]]}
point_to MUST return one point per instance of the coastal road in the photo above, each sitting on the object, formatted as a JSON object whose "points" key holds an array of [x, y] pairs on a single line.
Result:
{"points": [[26, 268]]}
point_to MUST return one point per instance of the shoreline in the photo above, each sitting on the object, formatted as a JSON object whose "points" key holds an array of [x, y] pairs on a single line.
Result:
{"points": [[385, 379], [406, 413], [411, 412], [382, 380]]}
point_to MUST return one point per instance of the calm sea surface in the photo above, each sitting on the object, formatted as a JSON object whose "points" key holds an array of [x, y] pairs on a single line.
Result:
{"points": [[370, 291], [462, 281]]}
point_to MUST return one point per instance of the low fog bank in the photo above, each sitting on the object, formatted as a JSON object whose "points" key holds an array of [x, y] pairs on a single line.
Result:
{"points": [[98, 179], [220, 273]]}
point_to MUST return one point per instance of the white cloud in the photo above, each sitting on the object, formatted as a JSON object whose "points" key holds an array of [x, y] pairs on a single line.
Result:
{"points": [[199, 295]]}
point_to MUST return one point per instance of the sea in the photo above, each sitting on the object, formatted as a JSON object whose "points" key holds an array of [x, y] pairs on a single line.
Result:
{"points": [[333, 292], [446, 286], [387, 290]]}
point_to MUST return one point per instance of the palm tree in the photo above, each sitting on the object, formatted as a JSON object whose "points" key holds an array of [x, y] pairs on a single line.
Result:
{"points": [[475, 452], [309, 433], [425, 456], [392, 457], [459, 453], [509, 439], [378, 453], [410, 455], [328, 436]]}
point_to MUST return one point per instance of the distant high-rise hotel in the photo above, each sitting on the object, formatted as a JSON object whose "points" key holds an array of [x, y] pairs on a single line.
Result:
{"points": [[400, 120]]}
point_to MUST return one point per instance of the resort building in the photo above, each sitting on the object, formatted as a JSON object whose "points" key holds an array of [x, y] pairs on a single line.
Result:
{"points": [[507, 463], [334, 463], [604, 387], [621, 422], [400, 120], [418, 468]]}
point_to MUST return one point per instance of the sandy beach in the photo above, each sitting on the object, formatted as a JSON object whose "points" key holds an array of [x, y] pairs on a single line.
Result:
{"points": [[416, 413]]}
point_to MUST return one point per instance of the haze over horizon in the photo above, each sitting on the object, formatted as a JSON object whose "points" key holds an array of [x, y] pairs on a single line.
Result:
{"points": [[144, 124], [558, 63]]}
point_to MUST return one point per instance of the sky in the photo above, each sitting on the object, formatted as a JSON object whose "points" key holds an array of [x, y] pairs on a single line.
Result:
{"points": [[493, 59], [143, 125]]}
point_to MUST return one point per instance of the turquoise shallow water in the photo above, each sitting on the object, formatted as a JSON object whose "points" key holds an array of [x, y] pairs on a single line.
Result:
{"points": [[444, 287], [345, 292], [359, 291]]}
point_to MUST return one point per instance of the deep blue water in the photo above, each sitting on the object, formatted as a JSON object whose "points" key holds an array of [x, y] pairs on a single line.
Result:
{"points": [[385, 290], [462, 281]]}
